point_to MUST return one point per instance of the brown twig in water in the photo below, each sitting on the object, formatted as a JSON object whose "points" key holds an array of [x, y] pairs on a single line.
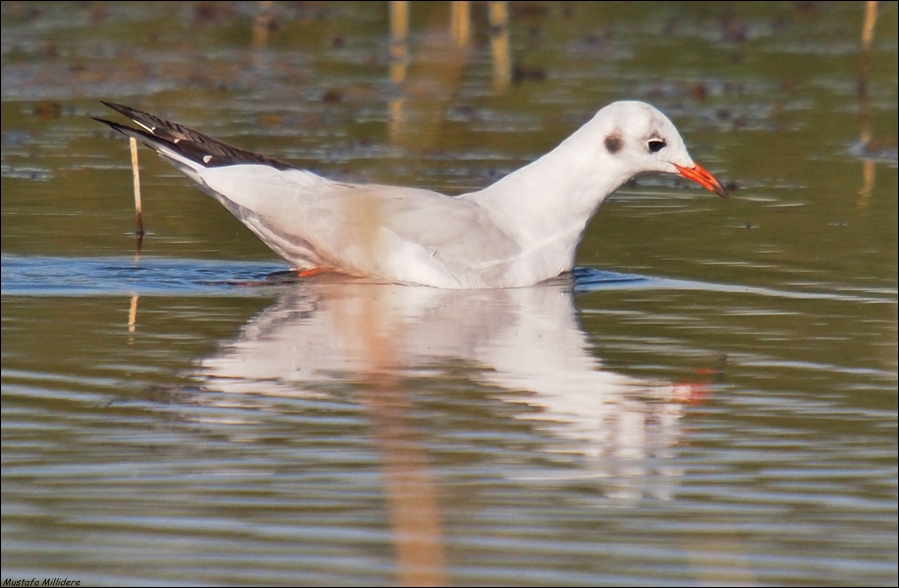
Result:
{"points": [[263, 24], [138, 210], [498, 17], [867, 37], [864, 107], [460, 17], [132, 319]]}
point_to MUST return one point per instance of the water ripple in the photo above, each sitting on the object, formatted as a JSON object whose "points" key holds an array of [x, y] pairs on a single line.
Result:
{"points": [[116, 276]]}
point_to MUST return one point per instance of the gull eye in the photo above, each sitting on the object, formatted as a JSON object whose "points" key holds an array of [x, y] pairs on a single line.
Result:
{"points": [[656, 145]]}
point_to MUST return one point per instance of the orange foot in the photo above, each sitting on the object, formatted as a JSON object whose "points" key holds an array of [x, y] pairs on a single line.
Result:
{"points": [[306, 273]]}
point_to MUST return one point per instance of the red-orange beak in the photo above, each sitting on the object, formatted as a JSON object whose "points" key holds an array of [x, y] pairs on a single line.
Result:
{"points": [[699, 175]]}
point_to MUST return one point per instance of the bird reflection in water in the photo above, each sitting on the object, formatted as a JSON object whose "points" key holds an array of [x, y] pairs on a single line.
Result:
{"points": [[522, 345]]}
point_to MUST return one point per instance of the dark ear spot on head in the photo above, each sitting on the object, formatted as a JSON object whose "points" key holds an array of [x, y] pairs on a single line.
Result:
{"points": [[613, 143]]}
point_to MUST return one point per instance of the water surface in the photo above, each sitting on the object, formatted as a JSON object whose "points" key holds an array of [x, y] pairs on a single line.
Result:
{"points": [[710, 398]]}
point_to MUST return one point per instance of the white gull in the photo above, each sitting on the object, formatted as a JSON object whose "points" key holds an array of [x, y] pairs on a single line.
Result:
{"points": [[523, 229]]}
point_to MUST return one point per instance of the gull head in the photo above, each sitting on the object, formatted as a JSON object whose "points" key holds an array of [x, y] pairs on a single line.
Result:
{"points": [[636, 137]]}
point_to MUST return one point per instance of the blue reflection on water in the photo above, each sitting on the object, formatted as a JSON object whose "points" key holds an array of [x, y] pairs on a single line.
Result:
{"points": [[100, 276], [113, 276]]}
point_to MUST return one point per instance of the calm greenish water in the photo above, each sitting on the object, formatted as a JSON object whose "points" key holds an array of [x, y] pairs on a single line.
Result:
{"points": [[710, 399]]}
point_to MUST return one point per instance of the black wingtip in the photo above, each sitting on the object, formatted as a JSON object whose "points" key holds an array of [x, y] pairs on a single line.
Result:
{"points": [[141, 135], [202, 149], [120, 108], [144, 119], [116, 126]]}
